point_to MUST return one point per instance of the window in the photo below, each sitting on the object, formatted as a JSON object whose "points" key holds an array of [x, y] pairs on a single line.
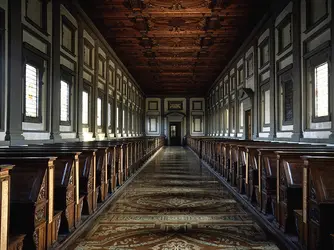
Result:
{"points": [[117, 118], [85, 107], [316, 11], [250, 65], [34, 67], [88, 54], [109, 115], [36, 13], [264, 52], [99, 111], [226, 119], [241, 111], [64, 102], [68, 35], [288, 101], [32, 92], [232, 118], [266, 106], [284, 34], [321, 90], [318, 85]]}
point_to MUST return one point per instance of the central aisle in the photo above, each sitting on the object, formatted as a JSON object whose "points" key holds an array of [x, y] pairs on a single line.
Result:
{"points": [[175, 204]]}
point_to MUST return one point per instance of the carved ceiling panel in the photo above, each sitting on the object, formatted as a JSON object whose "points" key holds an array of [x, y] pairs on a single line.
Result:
{"points": [[174, 47]]}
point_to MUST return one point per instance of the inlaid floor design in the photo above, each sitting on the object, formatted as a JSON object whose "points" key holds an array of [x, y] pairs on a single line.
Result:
{"points": [[175, 204]]}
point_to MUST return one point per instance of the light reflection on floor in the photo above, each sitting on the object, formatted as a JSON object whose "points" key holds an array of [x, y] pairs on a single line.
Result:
{"points": [[175, 204]]}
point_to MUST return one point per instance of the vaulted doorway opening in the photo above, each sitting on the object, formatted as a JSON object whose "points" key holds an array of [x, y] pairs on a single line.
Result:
{"points": [[175, 133]]}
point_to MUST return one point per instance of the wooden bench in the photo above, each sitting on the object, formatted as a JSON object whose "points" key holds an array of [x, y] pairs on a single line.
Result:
{"points": [[66, 183], [87, 172], [318, 202], [267, 163], [289, 194], [15, 241], [32, 207]]}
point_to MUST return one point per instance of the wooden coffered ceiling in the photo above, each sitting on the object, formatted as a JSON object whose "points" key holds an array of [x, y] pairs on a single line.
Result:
{"points": [[174, 47]]}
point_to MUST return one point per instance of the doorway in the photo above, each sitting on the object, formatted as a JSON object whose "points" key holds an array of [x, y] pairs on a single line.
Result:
{"points": [[175, 133], [248, 132]]}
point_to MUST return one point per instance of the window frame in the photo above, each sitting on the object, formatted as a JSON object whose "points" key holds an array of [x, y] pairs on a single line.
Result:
{"points": [[111, 103], [262, 45], [111, 80], [44, 20], [284, 76], [233, 84], [72, 28], [91, 48], [103, 60], [241, 82], [37, 61], [265, 86], [323, 56], [87, 88], [309, 25], [286, 21], [101, 96], [67, 76], [249, 57]]}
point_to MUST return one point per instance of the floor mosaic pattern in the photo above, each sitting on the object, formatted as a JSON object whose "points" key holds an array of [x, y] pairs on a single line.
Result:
{"points": [[175, 204]]}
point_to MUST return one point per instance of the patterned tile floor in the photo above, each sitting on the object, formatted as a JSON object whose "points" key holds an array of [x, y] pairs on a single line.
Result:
{"points": [[175, 204]]}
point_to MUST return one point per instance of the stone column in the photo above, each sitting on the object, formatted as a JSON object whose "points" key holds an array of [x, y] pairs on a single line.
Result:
{"points": [[95, 90], [80, 80], [296, 72], [15, 86], [256, 115], [331, 97], [273, 99]]}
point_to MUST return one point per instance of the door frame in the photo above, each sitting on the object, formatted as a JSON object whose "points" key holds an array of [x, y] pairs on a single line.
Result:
{"points": [[178, 126], [175, 117]]}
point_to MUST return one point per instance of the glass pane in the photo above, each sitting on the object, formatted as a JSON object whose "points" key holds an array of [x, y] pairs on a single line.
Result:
{"points": [[321, 90], [85, 107], [99, 112], [288, 101], [267, 107], [173, 131], [241, 114], [109, 114], [64, 101], [32, 91]]}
